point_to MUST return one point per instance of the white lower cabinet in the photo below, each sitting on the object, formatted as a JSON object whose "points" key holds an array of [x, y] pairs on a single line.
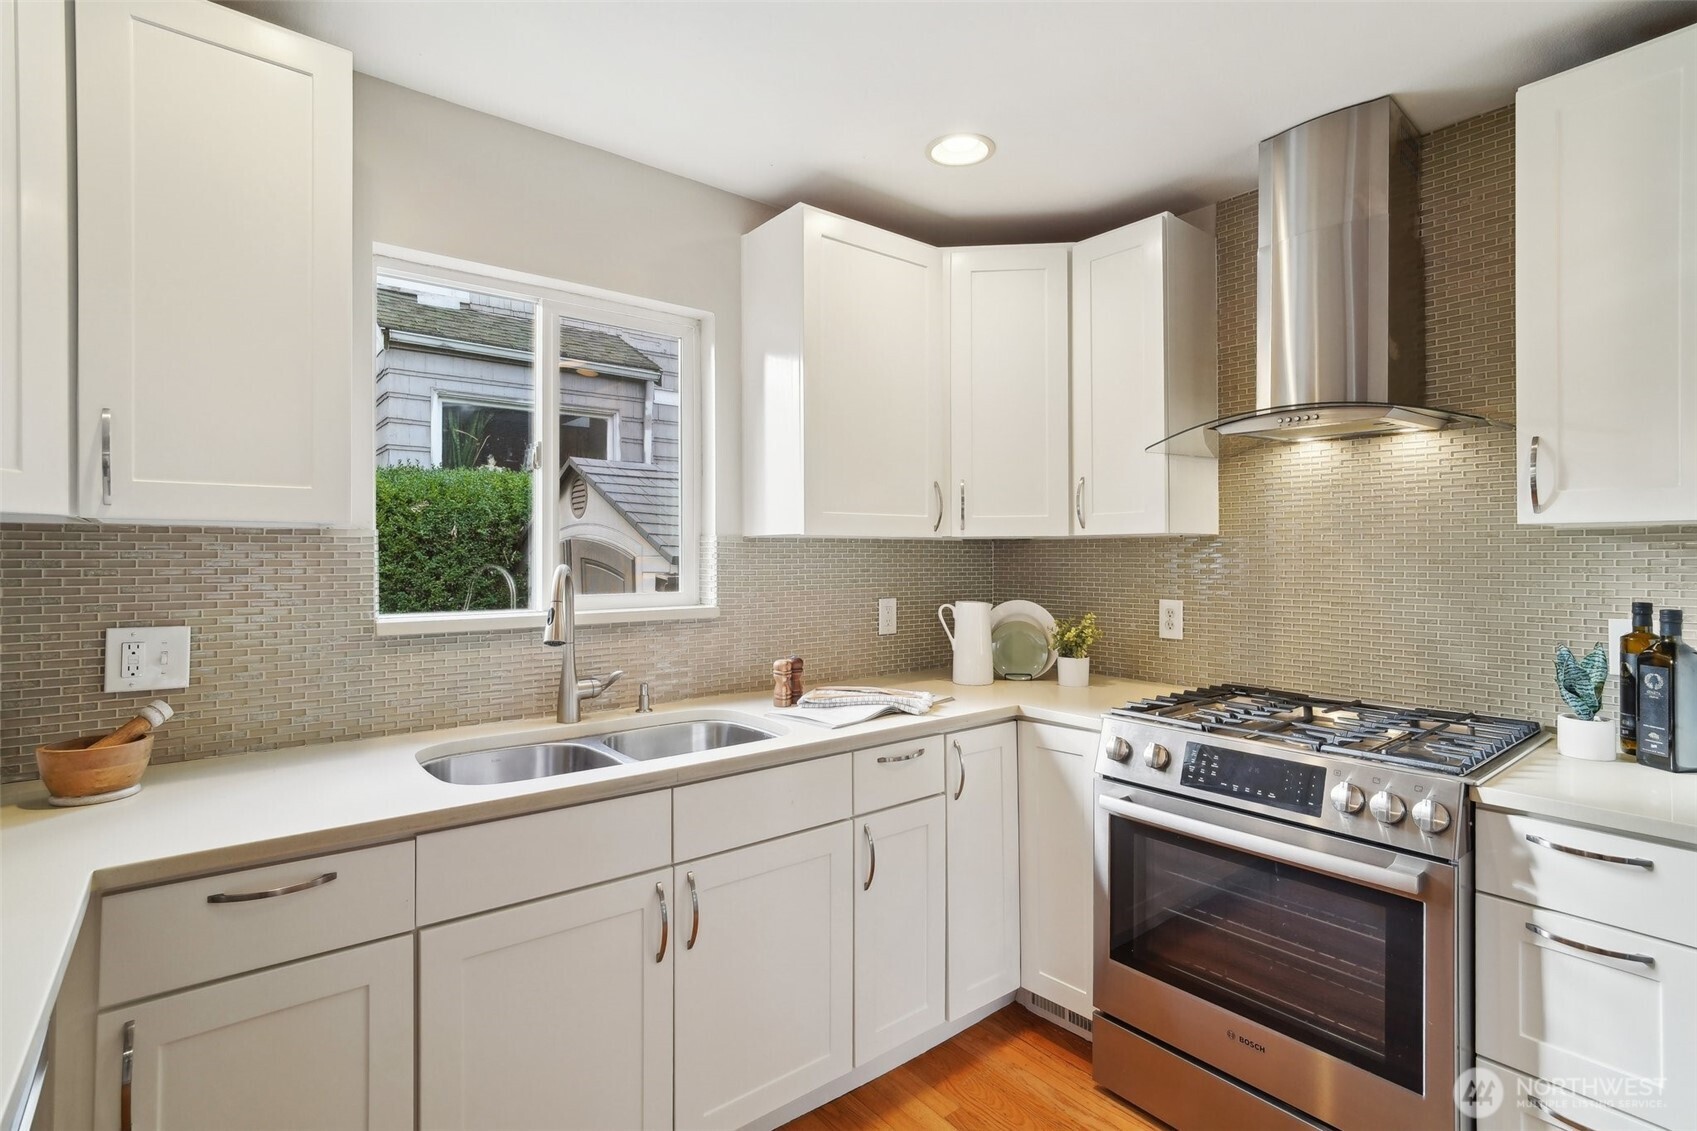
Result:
{"points": [[1529, 1104], [325, 1043], [983, 838], [765, 976], [898, 926], [1056, 873], [552, 1014]]}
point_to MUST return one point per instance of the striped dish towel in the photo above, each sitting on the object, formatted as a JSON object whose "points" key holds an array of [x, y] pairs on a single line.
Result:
{"points": [[898, 699]]}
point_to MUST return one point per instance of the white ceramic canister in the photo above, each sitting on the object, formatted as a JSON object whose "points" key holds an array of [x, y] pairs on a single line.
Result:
{"points": [[971, 641]]}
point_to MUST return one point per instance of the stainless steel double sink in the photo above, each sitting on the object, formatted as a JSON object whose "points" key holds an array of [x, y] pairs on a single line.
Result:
{"points": [[595, 752]]}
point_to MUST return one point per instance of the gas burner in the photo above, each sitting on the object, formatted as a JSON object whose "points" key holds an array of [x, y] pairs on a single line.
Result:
{"points": [[1443, 742]]}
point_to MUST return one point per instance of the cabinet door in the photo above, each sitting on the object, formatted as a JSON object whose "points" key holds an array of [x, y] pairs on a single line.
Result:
{"points": [[1008, 391], [1055, 871], [876, 394], [899, 923], [765, 976], [552, 1014], [1606, 289], [983, 815], [1567, 999], [35, 262], [214, 212], [325, 1043]]}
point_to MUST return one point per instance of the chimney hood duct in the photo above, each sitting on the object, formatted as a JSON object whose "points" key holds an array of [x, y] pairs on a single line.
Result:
{"points": [[1340, 287]]}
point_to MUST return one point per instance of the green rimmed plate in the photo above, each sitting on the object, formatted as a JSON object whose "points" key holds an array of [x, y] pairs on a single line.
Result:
{"points": [[1019, 649]]}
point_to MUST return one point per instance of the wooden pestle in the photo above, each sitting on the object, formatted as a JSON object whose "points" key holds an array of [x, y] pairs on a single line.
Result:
{"points": [[153, 715]]}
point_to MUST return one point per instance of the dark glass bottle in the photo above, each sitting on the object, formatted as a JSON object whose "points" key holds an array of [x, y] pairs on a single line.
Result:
{"points": [[1633, 643], [1667, 699]]}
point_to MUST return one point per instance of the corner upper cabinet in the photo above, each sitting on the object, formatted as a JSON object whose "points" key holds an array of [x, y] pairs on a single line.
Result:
{"points": [[1606, 289], [1008, 391], [1143, 368], [845, 396], [35, 261], [215, 252]]}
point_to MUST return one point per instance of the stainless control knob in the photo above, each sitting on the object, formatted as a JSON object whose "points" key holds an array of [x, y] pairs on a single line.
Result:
{"points": [[1347, 798], [1431, 816], [1119, 750], [1387, 807], [1156, 757]]}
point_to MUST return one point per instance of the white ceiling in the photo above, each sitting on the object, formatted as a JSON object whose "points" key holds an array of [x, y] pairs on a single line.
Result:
{"points": [[1101, 112]]}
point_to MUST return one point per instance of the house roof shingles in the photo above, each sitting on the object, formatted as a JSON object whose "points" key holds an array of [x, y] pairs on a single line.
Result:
{"points": [[400, 310], [647, 496]]}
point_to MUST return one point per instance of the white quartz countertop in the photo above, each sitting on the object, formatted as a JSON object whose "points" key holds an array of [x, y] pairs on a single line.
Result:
{"points": [[1620, 796], [239, 810]]}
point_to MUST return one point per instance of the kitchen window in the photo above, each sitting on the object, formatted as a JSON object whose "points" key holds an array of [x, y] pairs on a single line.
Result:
{"points": [[477, 499]]}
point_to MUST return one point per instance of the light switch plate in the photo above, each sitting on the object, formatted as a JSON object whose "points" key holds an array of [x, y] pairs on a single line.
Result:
{"points": [[1172, 620], [147, 659]]}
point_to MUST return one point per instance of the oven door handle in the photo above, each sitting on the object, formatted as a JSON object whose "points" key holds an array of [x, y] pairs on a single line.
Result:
{"points": [[1404, 877]]}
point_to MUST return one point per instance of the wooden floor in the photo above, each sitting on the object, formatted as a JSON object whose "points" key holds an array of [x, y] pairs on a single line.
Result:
{"points": [[1011, 1070]]}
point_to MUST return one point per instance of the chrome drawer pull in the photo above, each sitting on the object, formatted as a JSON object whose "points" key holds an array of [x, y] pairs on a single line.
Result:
{"points": [[1532, 476], [938, 488], [695, 912], [1619, 955], [665, 924], [1078, 502], [884, 759], [872, 853], [106, 457], [961, 758], [124, 1116], [272, 893], [1559, 1118], [1635, 861]]}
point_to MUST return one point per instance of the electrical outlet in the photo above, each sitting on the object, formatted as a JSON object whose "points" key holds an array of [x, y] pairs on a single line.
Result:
{"points": [[886, 616], [147, 659], [1172, 620]]}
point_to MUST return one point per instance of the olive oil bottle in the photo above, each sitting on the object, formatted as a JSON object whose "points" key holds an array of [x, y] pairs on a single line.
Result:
{"points": [[1633, 643], [1667, 699]]}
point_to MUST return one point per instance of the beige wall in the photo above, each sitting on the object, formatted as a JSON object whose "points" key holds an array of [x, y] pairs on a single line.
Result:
{"points": [[1393, 567]]}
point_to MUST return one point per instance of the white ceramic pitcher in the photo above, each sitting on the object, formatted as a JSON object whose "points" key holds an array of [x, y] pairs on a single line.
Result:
{"points": [[971, 641]]}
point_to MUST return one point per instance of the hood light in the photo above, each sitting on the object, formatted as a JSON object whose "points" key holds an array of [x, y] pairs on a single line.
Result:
{"points": [[961, 149]]}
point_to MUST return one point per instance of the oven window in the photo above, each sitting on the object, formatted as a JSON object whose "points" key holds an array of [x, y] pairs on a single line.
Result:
{"points": [[1335, 965]]}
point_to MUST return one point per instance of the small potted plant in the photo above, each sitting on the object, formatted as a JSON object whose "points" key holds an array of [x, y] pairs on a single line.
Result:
{"points": [[1584, 732], [1072, 640]]}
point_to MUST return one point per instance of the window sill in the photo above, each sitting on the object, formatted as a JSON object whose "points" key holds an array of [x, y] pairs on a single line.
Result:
{"points": [[436, 624]]}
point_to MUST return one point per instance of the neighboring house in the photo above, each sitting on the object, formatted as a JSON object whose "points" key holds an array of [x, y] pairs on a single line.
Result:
{"points": [[454, 389]]}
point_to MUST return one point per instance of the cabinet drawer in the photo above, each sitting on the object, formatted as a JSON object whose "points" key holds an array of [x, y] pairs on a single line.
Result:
{"points": [[1538, 1105], [714, 816], [176, 935], [1636, 884], [1612, 1021], [498, 863], [897, 773]]}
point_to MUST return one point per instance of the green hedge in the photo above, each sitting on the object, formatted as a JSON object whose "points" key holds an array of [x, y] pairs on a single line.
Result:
{"points": [[437, 528]]}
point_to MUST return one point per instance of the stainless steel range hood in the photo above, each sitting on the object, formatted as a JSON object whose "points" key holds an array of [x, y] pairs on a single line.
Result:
{"points": [[1340, 288]]}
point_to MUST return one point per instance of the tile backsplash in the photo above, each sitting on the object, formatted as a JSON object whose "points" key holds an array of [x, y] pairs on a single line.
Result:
{"points": [[1391, 567]]}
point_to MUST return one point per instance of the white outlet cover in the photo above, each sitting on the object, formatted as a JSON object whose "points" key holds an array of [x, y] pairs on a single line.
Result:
{"points": [[886, 616], [1171, 621], [164, 658]]}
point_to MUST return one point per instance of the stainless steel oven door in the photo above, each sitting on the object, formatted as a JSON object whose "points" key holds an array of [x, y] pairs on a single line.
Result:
{"points": [[1314, 968]]}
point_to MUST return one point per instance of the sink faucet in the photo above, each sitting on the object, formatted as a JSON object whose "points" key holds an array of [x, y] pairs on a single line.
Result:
{"points": [[558, 631]]}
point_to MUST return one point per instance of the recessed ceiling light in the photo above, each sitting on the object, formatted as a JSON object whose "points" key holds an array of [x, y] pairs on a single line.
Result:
{"points": [[961, 149]]}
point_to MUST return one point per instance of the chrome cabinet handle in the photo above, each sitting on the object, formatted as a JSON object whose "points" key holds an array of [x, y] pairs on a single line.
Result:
{"points": [[124, 1076], [884, 759], [1634, 861], [1078, 502], [106, 457], [665, 924], [271, 893], [872, 853], [1621, 955], [938, 488], [961, 758], [1557, 1116], [1532, 476], [695, 911], [963, 504]]}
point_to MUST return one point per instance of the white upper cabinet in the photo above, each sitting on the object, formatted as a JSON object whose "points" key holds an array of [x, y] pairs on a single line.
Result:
{"points": [[35, 261], [845, 396], [1606, 289], [1008, 391], [215, 252], [1143, 368]]}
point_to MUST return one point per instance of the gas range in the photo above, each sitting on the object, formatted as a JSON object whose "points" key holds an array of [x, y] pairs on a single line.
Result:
{"points": [[1395, 776]]}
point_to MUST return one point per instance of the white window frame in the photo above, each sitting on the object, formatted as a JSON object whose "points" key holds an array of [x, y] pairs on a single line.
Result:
{"points": [[553, 298], [438, 399]]}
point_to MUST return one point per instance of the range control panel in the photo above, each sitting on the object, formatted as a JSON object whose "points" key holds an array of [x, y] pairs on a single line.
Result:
{"points": [[1296, 786]]}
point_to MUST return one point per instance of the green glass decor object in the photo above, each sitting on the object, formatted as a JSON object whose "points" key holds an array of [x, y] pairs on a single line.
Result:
{"points": [[1581, 681]]}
